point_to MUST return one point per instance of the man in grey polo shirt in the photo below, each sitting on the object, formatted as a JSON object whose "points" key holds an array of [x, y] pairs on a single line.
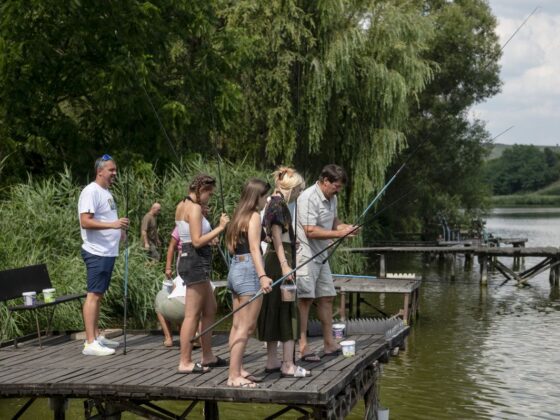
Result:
{"points": [[317, 226]]}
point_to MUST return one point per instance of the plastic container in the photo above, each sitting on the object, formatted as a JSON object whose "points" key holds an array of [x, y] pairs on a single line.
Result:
{"points": [[49, 295], [288, 292], [348, 348], [338, 330], [29, 298], [382, 413], [167, 286]]}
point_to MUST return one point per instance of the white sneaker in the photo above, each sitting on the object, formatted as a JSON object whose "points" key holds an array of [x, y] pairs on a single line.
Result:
{"points": [[96, 349], [106, 342]]}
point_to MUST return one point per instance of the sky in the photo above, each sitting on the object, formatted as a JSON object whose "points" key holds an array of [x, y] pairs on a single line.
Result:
{"points": [[530, 96]]}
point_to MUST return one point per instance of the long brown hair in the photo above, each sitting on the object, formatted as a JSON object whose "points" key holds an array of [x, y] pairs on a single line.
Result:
{"points": [[252, 192]]}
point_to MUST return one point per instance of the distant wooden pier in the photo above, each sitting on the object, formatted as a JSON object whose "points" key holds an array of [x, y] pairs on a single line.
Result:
{"points": [[486, 255], [148, 373]]}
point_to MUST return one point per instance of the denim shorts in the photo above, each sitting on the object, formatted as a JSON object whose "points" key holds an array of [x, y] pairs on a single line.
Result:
{"points": [[195, 264], [99, 270], [242, 277]]}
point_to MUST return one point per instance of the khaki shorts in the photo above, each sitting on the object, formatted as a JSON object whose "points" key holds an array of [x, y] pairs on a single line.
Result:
{"points": [[314, 279]]}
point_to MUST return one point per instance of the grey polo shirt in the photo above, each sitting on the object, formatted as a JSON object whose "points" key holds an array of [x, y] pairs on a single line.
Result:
{"points": [[313, 209]]}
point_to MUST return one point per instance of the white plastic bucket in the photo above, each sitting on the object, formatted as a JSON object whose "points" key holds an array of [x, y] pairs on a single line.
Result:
{"points": [[29, 298], [382, 414], [167, 286], [338, 330], [48, 295], [348, 348]]}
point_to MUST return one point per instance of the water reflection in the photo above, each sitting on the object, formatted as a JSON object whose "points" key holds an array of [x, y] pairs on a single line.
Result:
{"points": [[481, 353]]}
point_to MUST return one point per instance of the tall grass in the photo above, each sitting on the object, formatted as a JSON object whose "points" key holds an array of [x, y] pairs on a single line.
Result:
{"points": [[39, 224]]}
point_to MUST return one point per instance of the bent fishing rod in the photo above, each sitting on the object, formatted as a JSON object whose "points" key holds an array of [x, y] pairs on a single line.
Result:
{"points": [[380, 193], [304, 263]]}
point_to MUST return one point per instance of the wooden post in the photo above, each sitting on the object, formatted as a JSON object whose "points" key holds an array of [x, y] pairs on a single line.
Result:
{"points": [[371, 399], [406, 315], [58, 405], [382, 272], [342, 309], [211, 411], [468, 261], [453, 258], [483, 270]]}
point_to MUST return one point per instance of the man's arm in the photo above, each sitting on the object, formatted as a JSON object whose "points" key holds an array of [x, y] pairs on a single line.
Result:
{"points": [[88, 222], [317, 232]]}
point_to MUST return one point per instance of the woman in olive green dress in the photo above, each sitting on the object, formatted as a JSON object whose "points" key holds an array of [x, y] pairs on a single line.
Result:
{"points": [[278, 320]]}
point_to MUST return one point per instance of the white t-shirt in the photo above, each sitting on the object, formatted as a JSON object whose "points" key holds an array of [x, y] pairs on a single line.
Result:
{"points": [[99, 201]]}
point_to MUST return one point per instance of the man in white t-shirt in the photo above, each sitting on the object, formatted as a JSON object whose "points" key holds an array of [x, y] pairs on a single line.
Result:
{"points": [[101, 231]]}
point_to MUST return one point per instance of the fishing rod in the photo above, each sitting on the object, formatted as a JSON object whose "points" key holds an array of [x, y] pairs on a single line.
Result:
{"points": [[125, 297], [224, 253], [380, 193], [260, 292]]}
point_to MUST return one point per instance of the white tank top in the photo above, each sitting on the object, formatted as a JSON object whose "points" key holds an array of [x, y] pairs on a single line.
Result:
{"points": [[185, 231]]}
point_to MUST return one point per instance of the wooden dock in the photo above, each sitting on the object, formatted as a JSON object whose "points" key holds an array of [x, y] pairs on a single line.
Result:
{"points": [[148, 373], [408, 288]]}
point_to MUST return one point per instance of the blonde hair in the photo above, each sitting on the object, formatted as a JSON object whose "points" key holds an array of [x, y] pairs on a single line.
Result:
{"points": [[252, 192], [286, 179]]}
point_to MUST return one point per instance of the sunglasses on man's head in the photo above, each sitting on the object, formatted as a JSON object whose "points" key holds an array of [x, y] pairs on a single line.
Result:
{"points": [[106, 157]]}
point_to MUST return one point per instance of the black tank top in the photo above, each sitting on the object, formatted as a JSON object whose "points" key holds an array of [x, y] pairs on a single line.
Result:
{"points": [[242, 246]]}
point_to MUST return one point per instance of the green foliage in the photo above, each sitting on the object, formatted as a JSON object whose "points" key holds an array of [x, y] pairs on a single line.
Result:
{"points": [[522, 168], [444, 177], [40, 225]]}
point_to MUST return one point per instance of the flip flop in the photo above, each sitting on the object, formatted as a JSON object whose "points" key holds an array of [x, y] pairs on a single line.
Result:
{"points": [[218, 363], [337, 352], [273, 370], [298, 373], [253, 378], [197, 368], [311, 357], [244, 385]]}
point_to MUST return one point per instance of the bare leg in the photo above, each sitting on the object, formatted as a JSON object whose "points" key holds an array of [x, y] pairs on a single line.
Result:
{"points": [[324, 312], [90, 311], [166, 329], [193, 306], [288, 365], [304, 306], [208, 313], [243, 325], [272, 355]]}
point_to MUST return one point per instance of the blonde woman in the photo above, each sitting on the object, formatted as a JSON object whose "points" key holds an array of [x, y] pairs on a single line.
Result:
{"points": [[246, 276], [195, 268], [278, 320]]}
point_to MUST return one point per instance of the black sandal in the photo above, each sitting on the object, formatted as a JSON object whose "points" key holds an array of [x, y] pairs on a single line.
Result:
{"points": [[197, 368], [218, 363]]}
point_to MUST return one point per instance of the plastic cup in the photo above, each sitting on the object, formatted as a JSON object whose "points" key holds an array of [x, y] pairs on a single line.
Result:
{"points": [[348, 348], [288, 292], [338, 330], [49, 295], [29, 298]]}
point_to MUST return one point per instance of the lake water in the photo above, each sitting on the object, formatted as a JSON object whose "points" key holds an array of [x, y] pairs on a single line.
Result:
{"points": [[475, 353], [481, 353]]}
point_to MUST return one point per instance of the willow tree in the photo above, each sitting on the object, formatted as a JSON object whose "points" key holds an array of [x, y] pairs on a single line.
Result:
{"points": [[329, 81], [445, 176]]}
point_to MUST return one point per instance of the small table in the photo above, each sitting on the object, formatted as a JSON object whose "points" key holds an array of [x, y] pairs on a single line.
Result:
{"points": [[408, 287]]}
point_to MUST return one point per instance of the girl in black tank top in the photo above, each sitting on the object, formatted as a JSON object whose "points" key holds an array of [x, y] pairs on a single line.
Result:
{"points": [[246, 274]]}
